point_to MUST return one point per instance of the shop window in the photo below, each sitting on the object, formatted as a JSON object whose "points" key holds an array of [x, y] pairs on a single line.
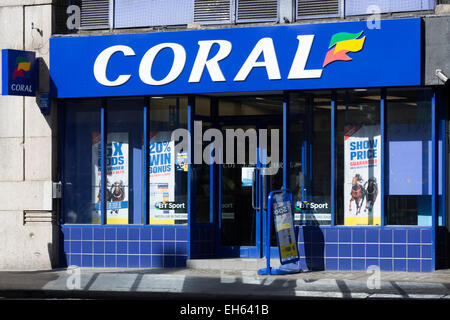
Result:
{"points": [[358, 158], [310, 157], [124, 161], [168, 172], [408, 167], [80, 188]]}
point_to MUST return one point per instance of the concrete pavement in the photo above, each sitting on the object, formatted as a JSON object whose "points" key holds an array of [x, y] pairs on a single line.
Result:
{"points": [[216, 284]]}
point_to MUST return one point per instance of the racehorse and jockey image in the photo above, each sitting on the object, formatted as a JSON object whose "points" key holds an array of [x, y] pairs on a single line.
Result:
{"points": [[360, 192]]}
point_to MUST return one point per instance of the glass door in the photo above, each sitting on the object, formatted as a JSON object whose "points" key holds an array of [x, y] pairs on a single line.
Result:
{"points": [[244, 187]]}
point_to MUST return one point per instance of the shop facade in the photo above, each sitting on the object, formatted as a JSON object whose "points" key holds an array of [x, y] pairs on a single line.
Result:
{"points": [[339, 113]]}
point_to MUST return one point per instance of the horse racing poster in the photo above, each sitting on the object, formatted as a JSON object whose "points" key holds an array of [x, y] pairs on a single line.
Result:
{"points": [[162, 179], [116, 191], [362, 175]]}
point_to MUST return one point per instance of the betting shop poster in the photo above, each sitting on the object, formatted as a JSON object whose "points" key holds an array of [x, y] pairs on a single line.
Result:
{"points": [[362, 174], [162, 178], [116, 191], [284, 226]]}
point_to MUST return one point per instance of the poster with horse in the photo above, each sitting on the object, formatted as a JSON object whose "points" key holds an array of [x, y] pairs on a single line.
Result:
{"points": [[362, 175], [116, 191]]}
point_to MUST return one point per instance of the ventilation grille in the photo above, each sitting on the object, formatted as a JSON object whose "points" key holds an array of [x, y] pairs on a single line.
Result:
{"points": [[210, 11], [257, 10], [311, 8], [95, 14]]}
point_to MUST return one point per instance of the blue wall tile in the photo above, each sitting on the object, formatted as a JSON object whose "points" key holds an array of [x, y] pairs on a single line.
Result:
{"points": [[317, 263], [345, 264], [99, 261], [86, 260], [146, 234], [169, 261], [427, 251], [169, 233], [386, 250], [99, 233], [181, 248], [122, 261], [413, 251], [426, 236], [122, 247], [372, 250], [75, 260], [399, 251], [317, 249], [399, 236], [157, 247], [386, 264], [181, 234], [358, 264], [65, 232], [331, 250], [86, 234], [86, 246], [157, 261], [75, 247], [75, 234], [413, 265], [426, 265], [99, 247], [331, 264], [169, 247], [180, 262], [413, 236], [359, 235], [122, 233], [133, 247], [110, 234], [157, 233], [133, 234], [110, 261], [372, 262], [145, 261], [145, 247], [399, 264], [316, 235], [110, 247], [372, 235], [358, 250], [385, 236], [331, 235], [133, 261], [345, 235], [345, 250]]}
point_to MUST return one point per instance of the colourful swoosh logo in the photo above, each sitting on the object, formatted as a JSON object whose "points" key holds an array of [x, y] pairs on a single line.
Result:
{"points": [[342, 43], [22, 64]]}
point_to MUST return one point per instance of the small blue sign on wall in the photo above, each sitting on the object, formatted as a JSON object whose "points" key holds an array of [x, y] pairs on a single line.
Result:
{"points": [[18, 73]]}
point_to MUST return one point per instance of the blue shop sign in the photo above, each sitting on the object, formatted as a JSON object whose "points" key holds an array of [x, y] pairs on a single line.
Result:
{"points": [[291, 57], [19, 73]]}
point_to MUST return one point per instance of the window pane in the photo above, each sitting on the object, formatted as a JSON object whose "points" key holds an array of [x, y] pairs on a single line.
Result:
{"points": [[408, 157], [310, 171], [358, 163], [81, 192], [167, 180], [124, 161]]}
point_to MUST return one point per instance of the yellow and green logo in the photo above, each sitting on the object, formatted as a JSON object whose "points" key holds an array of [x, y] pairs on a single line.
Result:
{"points": [[342, 43], [22, 64]]}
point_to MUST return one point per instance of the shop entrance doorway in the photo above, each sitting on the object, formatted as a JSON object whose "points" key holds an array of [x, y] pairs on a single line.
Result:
{"points": [[251, 169]]}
